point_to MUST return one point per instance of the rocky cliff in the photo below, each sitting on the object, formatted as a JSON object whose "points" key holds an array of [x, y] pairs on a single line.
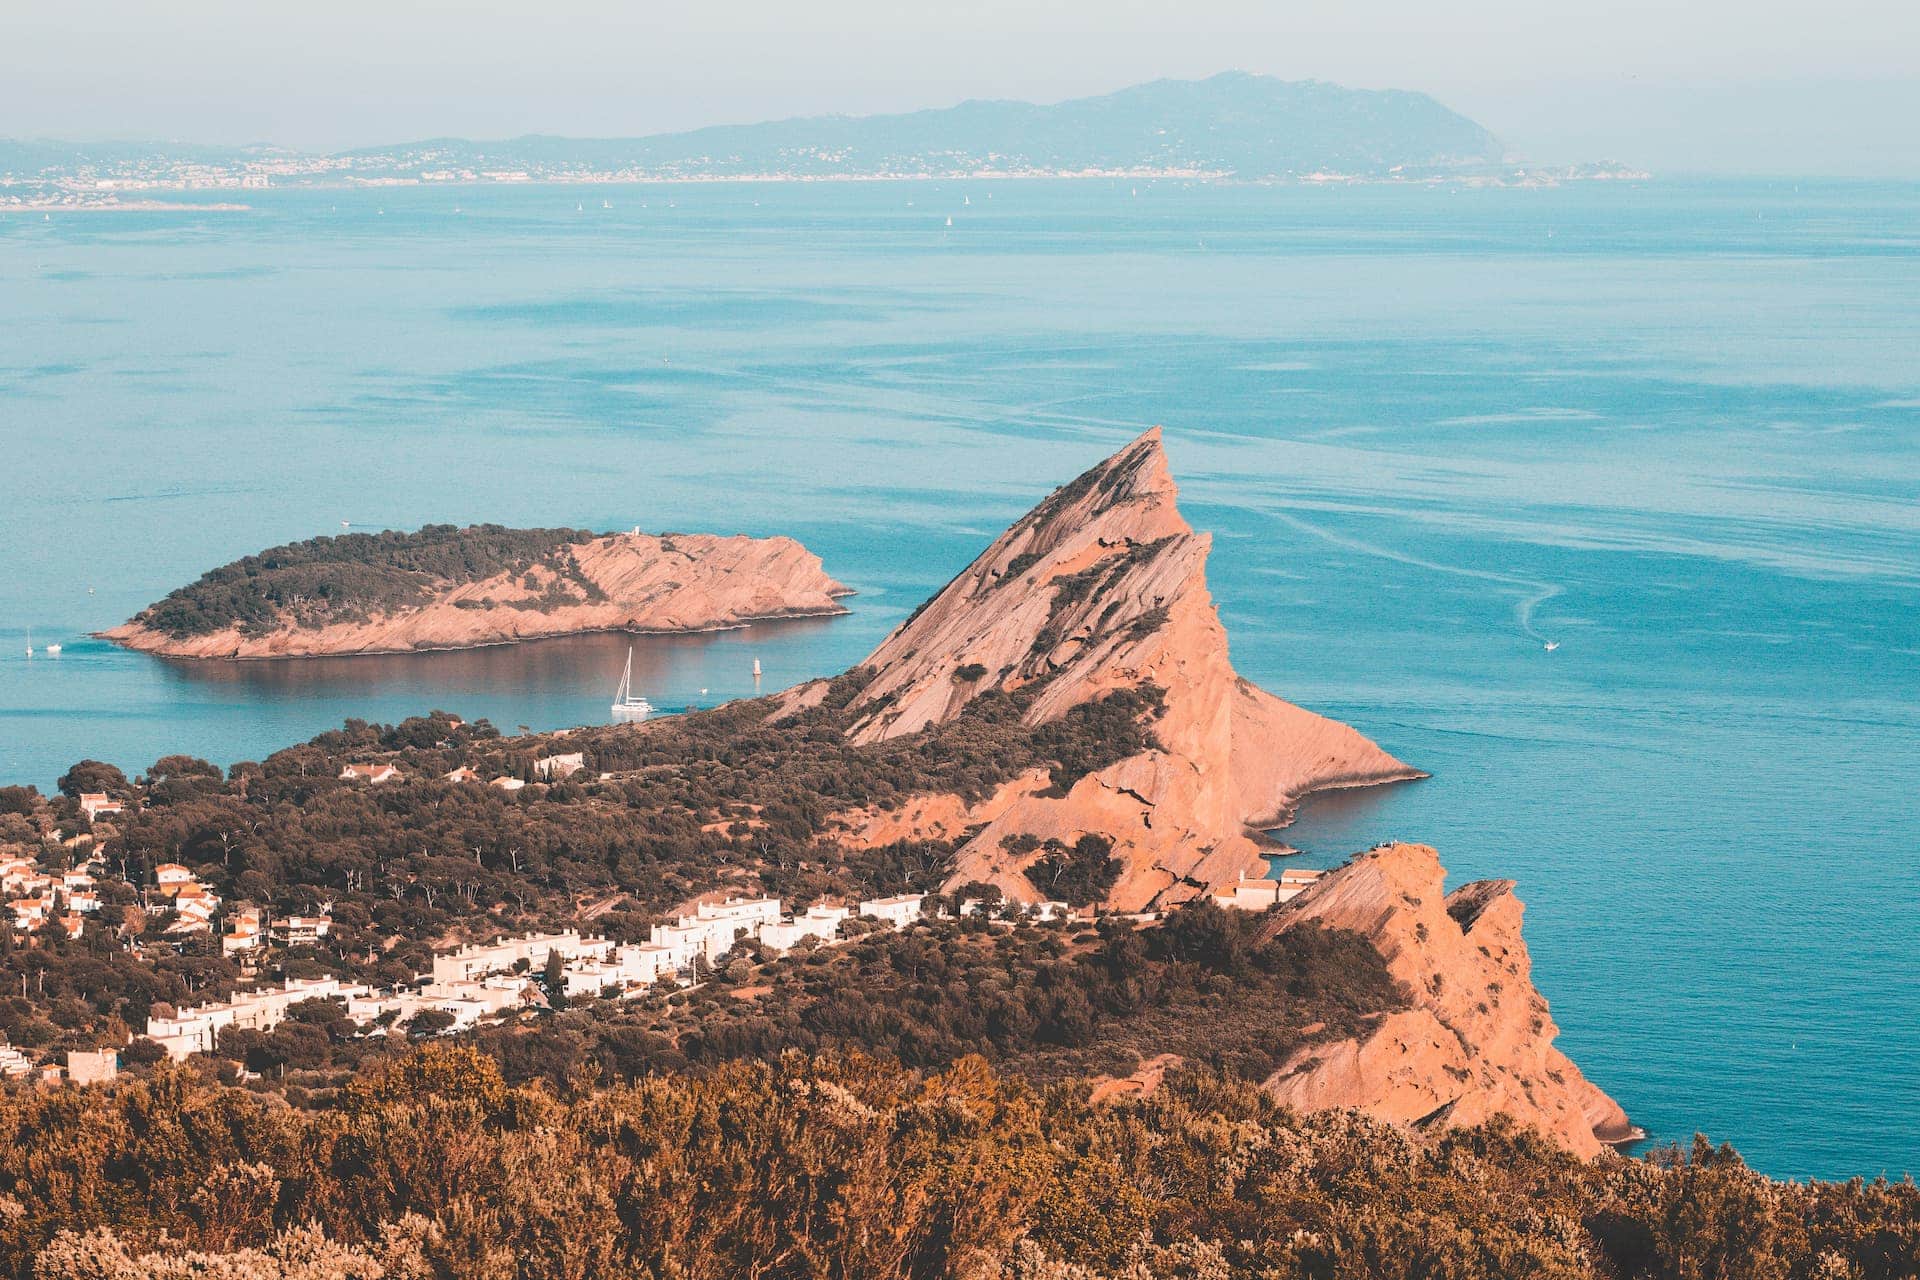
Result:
{"points": [[1103, 587], [617, 582], [1477, 1038]]}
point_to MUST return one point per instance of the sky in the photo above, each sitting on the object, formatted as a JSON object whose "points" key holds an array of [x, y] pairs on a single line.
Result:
{"points": [[1745, 86]]}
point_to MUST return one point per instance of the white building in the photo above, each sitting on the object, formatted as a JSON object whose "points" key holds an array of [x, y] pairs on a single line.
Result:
{"points": [[564, 766], [1258, 893], [820, 922], [95, 803], [470, 963], [301, 931], [243, 934], [196, 1030], [899, 911], [92, 1067]]}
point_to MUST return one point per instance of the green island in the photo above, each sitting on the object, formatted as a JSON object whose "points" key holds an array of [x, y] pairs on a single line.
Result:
{"points": [[354, 576]]}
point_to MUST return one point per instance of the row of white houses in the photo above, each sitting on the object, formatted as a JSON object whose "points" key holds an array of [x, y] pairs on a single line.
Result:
{"points": [[471, 982]]}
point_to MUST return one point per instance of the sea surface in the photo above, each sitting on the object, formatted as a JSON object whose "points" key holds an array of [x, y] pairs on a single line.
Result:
{"points": [[1673, 427]]}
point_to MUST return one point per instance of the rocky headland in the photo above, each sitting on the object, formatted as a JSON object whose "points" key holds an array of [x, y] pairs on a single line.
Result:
{"points": [[1102, 588], [1476, 1039], [445, 588]]}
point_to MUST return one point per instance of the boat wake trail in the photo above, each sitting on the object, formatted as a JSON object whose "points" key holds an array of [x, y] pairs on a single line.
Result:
{"points": [[1533, 593]]}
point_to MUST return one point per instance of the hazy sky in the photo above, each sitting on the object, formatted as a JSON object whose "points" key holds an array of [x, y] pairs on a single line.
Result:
{"points": [[1739, 85]]}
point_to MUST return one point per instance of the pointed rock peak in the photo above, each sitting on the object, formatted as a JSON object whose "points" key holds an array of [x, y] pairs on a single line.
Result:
{"points": [[1075, 590], [1100, 593], [1137, 474]]}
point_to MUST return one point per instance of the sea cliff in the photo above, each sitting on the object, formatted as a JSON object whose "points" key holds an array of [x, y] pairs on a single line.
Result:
{"points": [[1477, 1039]]}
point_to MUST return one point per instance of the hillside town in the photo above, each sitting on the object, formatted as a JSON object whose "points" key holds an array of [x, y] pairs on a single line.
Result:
{"points": [[467, 983]]}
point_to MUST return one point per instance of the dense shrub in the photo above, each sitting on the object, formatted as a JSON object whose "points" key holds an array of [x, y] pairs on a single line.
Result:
{"points": [[355, 575]]}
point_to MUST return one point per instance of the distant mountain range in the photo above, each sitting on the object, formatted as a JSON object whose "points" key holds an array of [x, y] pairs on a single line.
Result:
{"points": [[1232, 126], [1235, 124]]}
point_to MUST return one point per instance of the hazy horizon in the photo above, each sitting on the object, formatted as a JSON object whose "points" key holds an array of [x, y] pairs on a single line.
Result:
{"points": [[1719, 88]]}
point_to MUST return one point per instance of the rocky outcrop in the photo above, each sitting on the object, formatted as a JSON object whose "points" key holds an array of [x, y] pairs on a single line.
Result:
{"points": [[642, 583], [1103, 587], [1476, 1039]]}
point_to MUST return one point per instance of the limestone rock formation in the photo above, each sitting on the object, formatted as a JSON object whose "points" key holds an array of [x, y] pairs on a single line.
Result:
{"points": [[636, 582], [1103, 587], [1477, 1038]]}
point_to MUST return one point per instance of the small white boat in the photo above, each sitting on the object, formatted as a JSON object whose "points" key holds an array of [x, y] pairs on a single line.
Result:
{"points": [[606, 204], [53, 651], [1552, 645], [628, 706], [756, 668], [949, 221]]}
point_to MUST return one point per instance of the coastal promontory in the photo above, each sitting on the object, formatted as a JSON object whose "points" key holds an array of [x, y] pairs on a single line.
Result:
{"points": [[1098, 597], [443, 587]]}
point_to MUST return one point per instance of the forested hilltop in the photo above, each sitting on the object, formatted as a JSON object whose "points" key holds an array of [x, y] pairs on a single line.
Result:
{"points": [[442, 587], [355, 575], [844, 1166], [655, 816]]}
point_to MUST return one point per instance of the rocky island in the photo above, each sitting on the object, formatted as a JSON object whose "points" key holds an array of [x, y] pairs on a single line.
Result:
{"points": [[444, 587]]}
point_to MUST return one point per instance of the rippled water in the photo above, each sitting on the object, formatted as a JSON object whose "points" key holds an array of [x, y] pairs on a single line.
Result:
{"points": [[1674, 428]]}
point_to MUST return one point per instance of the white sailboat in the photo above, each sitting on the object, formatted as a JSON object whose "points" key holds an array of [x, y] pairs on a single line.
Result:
{"points": [[53, 651], [29, 642], [756, 668], [628, 706]]}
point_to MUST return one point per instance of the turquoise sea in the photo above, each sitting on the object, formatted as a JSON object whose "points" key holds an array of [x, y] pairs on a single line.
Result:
{"points": [[1674, 427]]}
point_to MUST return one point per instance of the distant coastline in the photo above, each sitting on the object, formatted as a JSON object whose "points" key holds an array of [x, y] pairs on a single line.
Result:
{"points": [[1232, 127], [1519, 179]]}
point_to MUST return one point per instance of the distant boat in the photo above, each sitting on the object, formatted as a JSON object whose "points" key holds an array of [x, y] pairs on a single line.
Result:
{"points": [[579, 208], [53, 651], [949, 221], [756, 668], [966, 200], [29, 642], [629, 706], [1552, 645]]}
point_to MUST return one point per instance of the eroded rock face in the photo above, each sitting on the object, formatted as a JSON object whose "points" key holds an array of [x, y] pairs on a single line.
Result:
{"points": [[689, 582], [1477, 1038], [1103, 587]]}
